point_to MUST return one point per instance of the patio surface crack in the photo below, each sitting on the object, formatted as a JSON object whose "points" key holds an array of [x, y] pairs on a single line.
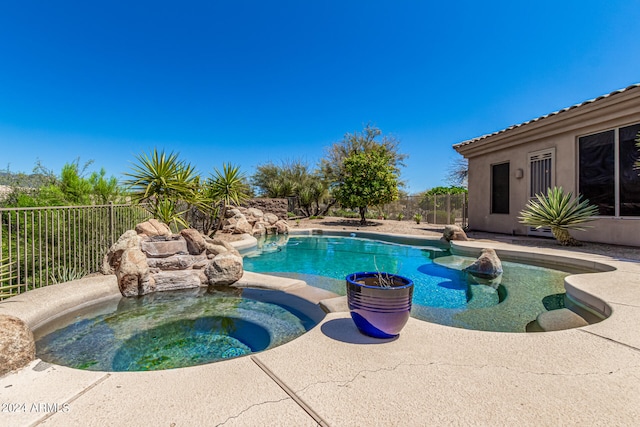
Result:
{"points": [[250, 407], [360, 374]]}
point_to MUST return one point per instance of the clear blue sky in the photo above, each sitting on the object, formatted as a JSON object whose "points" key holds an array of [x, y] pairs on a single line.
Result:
{"points": [[248, 82]]}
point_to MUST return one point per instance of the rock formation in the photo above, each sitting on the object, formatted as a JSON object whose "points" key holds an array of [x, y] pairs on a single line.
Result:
{"points": [[151, 259], [253, 221]]}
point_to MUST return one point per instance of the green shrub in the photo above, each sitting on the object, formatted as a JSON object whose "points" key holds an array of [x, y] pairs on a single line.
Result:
{"points": [[400, 216], [417, 218]]}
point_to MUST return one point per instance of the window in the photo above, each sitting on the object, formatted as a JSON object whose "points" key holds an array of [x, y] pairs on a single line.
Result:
{"points": [[500, 188], [607, 176]]}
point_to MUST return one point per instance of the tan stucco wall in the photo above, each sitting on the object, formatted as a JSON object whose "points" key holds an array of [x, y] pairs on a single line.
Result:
{"points": [[560, 132]]}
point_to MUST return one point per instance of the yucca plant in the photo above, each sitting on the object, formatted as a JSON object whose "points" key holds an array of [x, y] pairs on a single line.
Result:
{"points": [[227, 187], [560, 212], [165, 182]]}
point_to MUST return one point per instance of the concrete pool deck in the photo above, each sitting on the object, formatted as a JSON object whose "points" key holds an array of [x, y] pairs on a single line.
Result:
{"points": [[333, 375]]}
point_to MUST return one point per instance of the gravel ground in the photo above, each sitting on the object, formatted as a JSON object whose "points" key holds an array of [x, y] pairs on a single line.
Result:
{"points": [[434, 230]]}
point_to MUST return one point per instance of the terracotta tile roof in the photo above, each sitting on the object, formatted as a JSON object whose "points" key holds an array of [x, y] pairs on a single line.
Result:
{"points": [[591, 101]]}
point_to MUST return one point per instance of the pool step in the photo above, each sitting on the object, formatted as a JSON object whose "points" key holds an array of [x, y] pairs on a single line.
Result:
{"points": [[558, 320]]}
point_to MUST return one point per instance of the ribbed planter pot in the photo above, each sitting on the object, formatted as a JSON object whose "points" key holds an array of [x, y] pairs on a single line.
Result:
{"points": [[377, 311]]}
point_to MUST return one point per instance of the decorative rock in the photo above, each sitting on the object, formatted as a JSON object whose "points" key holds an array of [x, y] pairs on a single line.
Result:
{"points": [[259, 229], [454, 232], [152, 228], [254, 212], [133, 274], [243, 227], [195, 241], [282, 227], [213, 249], [171, 280], [164, 248], [226, 245], [17, 345], [224, 269], [111, 260], [176, 262], [270, 218], [145, 264], [487, 266], [230, 213]]}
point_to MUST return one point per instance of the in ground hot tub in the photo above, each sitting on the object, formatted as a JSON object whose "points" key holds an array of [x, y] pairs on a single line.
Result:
{"points": [[175, 329]]}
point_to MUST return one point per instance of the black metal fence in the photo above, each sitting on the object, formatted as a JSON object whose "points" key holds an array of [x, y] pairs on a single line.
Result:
{"points": [[40, 246]]}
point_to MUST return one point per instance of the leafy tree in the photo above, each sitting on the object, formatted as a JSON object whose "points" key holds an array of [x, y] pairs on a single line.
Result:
{"points": [[332, 166], [445, 190], [69, 188], [557, 211], [227, 187], [292, 179], [75, 188], [104, 190], [368, 178]]}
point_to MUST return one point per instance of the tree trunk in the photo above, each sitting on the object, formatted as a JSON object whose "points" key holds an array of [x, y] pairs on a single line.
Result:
{"points": [[223, 213], [563, 237], [329, 206], [363, 212]]}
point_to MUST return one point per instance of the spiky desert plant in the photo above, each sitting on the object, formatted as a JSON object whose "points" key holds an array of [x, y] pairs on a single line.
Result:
{"points": [[227, 187], [560, 212], [66, 274], [165, 183]]}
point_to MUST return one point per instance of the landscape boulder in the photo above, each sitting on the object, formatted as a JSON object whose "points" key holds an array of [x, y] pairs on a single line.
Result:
{"points": [[224, 269], [153, 227], [453, 232], [111, 261], [17, 345], [133, 274], [487, 266]]}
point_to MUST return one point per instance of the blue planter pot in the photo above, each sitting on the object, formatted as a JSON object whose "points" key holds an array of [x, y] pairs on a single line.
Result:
{"points": [[379, 312]]}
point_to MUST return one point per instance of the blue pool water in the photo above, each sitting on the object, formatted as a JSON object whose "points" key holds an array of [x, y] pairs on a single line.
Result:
{"points": [[175, 329], [442, 293]]}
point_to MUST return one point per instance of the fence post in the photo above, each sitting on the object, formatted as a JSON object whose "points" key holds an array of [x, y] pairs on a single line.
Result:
{"points": [[449, 209], [111, 224], [435, 208]]}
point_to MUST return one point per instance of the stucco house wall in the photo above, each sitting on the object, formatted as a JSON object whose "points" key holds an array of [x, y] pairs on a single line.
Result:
{"points": [[560, 132]]}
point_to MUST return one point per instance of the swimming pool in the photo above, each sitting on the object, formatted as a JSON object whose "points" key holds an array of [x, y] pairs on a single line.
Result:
{"points": [[442, 293], [175, 329]]}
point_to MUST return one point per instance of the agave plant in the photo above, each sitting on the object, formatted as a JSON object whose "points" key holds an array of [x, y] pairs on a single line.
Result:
{"points": [[66, 274], [559, 212]]}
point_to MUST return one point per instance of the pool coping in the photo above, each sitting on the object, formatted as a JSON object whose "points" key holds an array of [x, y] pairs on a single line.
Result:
{"points": [[587, 374]]}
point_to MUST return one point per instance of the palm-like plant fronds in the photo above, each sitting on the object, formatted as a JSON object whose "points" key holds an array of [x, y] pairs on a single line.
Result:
{"points": [[558, 211], [166, 182], [227, 187]]}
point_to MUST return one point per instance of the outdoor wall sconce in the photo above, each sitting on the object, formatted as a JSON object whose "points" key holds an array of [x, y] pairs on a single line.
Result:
{"points": [[519, 173]]}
